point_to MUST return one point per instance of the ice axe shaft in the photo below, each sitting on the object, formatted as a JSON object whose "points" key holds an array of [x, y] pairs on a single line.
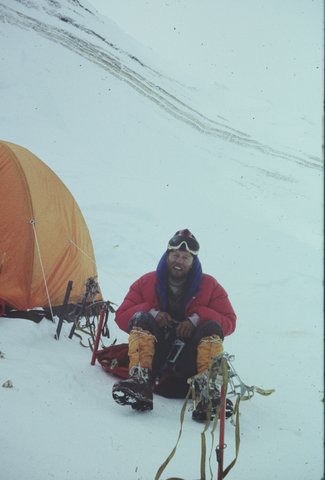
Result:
{"points": [[102, 319]]}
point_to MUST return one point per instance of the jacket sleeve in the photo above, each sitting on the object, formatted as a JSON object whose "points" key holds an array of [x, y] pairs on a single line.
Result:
{"points": [[216, 306], [133, 302]]}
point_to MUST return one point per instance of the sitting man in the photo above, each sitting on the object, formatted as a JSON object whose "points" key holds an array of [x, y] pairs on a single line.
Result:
{"points": [[176, 311]]}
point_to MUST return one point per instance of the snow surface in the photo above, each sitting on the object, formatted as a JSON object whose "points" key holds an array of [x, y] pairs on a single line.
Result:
{"points": [[158, 116]]}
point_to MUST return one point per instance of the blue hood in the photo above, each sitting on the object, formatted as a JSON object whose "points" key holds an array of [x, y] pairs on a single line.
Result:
{"points": [[192, 284]]}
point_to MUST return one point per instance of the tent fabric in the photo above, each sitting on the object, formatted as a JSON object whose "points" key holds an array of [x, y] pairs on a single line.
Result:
{"points": [[42, 233]]}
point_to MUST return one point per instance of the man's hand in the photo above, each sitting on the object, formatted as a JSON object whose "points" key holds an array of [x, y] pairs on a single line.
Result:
{"points": [[185, 329], [163, 319]]}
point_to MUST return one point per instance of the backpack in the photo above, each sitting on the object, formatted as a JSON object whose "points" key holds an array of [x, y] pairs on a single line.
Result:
{"points": [[115, 360]]}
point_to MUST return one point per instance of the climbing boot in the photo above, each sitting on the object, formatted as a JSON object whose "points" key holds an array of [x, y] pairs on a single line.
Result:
{"points": [[136, 390], [206, 387]]}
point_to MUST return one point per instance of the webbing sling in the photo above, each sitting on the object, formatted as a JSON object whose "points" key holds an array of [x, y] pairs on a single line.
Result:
{"points": [[246, 392], [172, 453], [237, 442], [224, 370]]}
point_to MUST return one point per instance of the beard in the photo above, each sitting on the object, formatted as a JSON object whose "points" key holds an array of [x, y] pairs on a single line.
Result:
{"points": [[177, 275]]}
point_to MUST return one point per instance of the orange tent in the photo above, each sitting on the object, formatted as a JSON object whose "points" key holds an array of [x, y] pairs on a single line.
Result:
{"points": [[44, 240]]}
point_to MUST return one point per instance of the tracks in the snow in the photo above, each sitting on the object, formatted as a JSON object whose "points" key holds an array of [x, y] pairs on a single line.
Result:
{"points": [[126, 68]]}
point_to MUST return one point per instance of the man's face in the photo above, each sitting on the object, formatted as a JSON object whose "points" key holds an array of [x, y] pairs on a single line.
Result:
{"points": [[179, 263]]}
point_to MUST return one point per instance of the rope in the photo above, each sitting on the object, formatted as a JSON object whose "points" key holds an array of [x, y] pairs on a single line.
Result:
{"points": [[32, 222], [103, 269], [82, 251]]}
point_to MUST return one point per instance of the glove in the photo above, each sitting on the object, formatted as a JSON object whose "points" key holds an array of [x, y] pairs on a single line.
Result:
{"points": [[185, 329], [163, 319]]}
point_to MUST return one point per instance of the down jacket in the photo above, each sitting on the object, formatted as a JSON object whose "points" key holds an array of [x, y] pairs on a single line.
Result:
{"points": [[204, 296]]}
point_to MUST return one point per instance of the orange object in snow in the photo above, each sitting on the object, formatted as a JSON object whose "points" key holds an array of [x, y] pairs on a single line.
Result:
{"points": [[44, 240]]}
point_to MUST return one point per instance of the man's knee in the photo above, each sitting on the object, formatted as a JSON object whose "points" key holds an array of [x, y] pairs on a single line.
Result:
{"points": [[145, 321], [208, 328]]}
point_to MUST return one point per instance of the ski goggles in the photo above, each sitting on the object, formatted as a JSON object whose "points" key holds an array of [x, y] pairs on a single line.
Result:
{"points": [[179, 242]]}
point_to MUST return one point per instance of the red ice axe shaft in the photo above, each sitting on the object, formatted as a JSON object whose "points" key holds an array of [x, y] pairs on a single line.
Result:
{"points": [[222, 419]]}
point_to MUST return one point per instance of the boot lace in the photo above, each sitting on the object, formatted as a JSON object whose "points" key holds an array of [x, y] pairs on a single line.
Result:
{"points": [[140, 374]]}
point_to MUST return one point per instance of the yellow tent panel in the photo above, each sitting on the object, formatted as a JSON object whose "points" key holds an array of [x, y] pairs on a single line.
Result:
{"points": [[44, 240]]}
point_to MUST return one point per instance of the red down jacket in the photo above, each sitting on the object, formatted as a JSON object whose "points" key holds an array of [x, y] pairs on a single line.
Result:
{"points": [[210, 303]]}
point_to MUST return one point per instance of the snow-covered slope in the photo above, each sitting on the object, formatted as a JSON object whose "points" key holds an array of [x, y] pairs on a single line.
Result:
{"points": [[149, 143]]}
